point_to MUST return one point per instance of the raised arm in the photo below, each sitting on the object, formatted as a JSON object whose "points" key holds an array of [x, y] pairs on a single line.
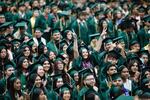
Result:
{"points": [[75, 46], [101, 37]]}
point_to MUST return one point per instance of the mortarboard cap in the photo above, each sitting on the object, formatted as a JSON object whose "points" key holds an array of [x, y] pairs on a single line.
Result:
{"points": [[143, 51], [3, 46], [142, 9], [63, 88], [115, 76], [63, 13], [118, 39], [85, 72], [56, 30], [6, 24], [72, 71], [133, 41], [113, 53], [15, 41], [99, 12], [30, 42], [93, 36], [20, 24], [108, 40], [123, 97], [9, 64], [146, 18]]}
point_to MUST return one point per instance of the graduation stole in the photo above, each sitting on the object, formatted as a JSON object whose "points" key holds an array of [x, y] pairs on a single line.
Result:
{"points": [[96, 26]]}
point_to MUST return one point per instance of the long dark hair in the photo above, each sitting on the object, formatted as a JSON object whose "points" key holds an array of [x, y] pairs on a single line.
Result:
{"points": [[10, 87], [36, 93], [19, 65]]}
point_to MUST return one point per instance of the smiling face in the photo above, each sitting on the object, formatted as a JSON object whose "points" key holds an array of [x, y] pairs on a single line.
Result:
{"points": [[38, 81], [40, 71], [66, 95], [17, 84], [85, 53], [25, 64]]}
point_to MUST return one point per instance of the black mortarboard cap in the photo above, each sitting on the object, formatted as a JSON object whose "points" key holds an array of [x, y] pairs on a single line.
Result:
{"points": [[142, 9], [114, 54], [85, 72]]}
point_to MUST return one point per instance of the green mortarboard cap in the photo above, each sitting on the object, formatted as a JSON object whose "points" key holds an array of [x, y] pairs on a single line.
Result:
{"points": [[10, 64], [15, 41], [118, 39], [72, 71], [93, 36], [63, 13], [107, 11], [30, 42], [20, 24], [6, 24], [2, 4], [146, 18], [108, 40], [133, 41], [99, 12], [52, 5], [143, 51], [123, 97], [63, 88], [115, 76], [56, 30]]}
